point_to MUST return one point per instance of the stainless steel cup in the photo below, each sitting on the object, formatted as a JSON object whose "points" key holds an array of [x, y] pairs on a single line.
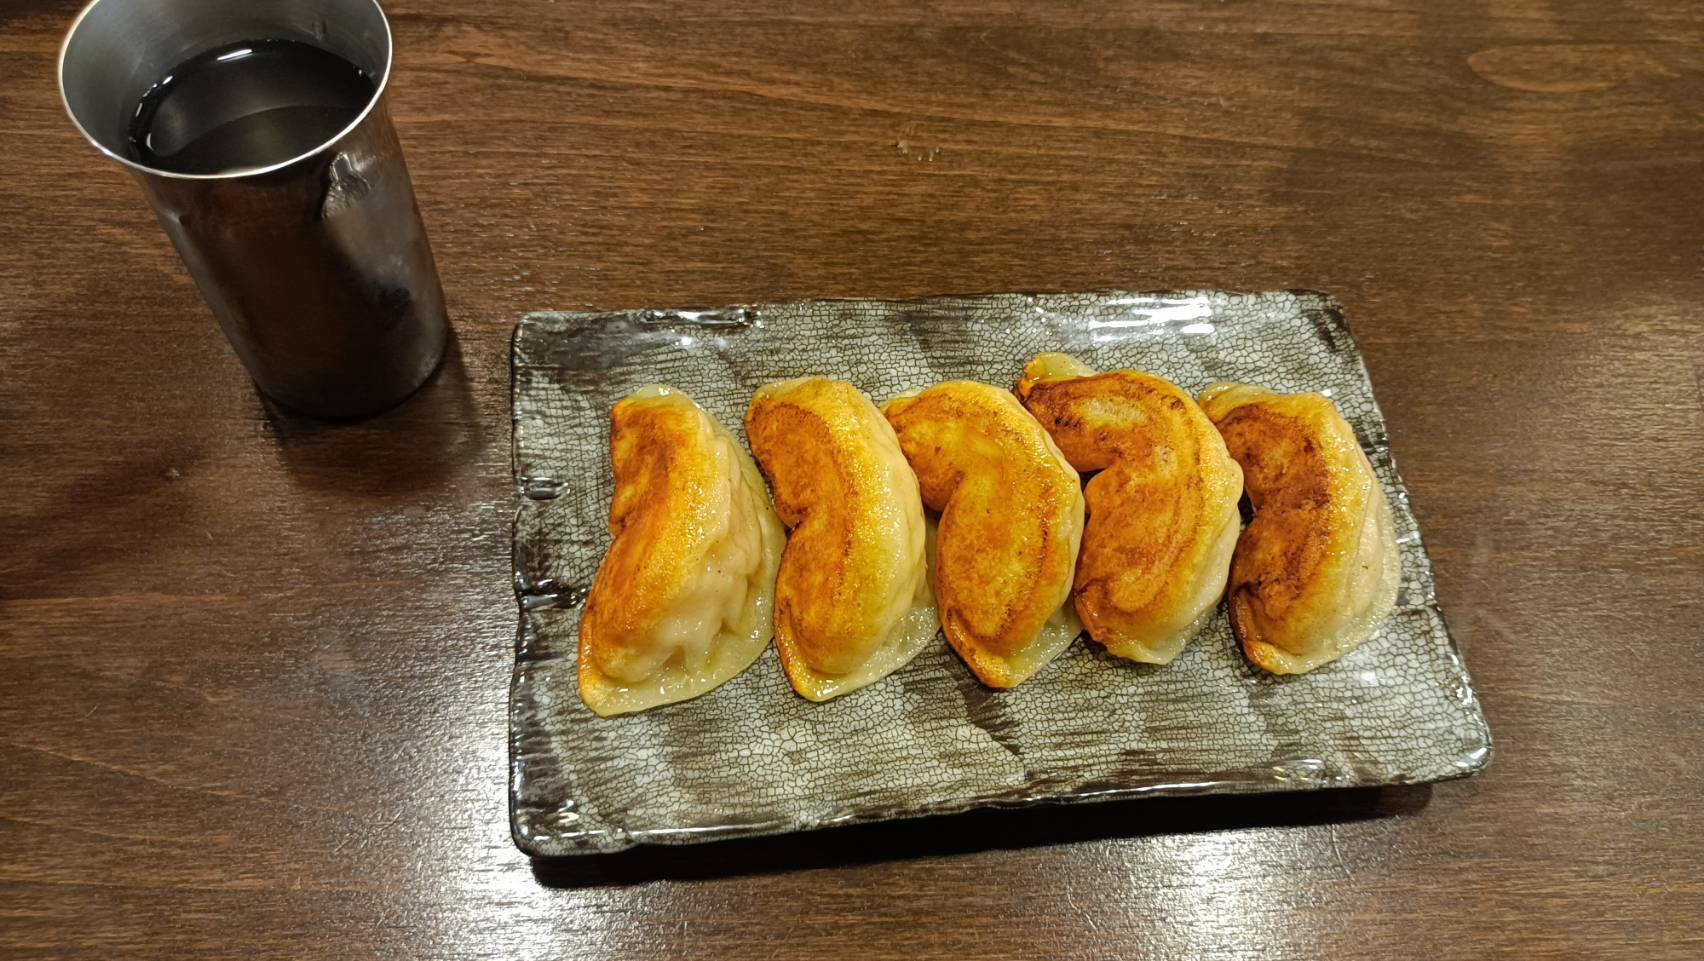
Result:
{"points": [[317, 266]]}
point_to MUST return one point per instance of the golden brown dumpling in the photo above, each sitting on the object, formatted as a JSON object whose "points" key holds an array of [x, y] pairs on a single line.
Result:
{"points": [[852, 600], [1163, 516], [682, 601], [1316, 572], [1011, 522]]}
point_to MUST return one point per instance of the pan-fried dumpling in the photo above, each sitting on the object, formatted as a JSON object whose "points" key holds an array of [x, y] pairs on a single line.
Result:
{"points": [[852, 601], [1316, 572], [1163, 516], [1011, 522], [682, 601]]}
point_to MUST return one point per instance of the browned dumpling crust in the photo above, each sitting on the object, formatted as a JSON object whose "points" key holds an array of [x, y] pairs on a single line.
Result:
{"points": [[682, 601], [1162, 503], [1316, 572], [1011, 523], [852, 600]]}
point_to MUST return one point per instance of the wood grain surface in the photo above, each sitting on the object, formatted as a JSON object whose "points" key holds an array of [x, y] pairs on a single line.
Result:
{"points": [[253, 669]]}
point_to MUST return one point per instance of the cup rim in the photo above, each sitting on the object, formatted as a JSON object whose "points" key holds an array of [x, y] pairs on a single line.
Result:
{"points": [[379, 88]]}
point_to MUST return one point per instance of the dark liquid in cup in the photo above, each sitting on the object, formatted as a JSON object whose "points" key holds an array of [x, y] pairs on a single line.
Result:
{"points": [[246, 105]]}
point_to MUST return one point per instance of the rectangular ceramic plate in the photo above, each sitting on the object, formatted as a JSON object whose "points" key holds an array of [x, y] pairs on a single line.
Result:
{"points": [[753, 758]]}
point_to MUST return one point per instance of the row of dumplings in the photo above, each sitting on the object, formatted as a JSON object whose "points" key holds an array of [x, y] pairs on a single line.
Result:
{"points": [[849, 570]]}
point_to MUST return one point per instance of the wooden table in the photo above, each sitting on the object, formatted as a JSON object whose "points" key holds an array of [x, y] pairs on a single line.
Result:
{"points": [[253, 670]]}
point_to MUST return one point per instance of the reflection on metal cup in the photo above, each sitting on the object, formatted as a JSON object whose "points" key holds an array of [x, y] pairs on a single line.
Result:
{"points": [[316, 266]]}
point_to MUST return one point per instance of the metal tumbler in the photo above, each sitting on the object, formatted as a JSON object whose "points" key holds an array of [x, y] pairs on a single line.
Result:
{"points": [[316, 266]]}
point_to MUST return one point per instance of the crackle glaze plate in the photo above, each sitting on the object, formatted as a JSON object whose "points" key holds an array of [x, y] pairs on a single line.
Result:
{"points": [[753, 758]]}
